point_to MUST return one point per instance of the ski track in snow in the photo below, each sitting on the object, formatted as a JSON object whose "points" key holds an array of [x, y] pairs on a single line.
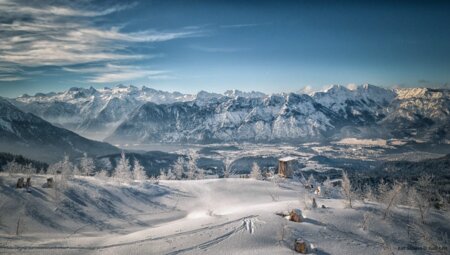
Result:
{"points": [[247, 224]]}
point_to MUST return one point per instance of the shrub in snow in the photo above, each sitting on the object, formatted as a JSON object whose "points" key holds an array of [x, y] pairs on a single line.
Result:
{"points": [[346, 188], [122, 172], [138, 171], [256, 172]]}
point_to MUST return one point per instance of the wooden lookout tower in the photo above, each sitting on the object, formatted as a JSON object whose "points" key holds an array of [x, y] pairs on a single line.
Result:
{"points": [[285, 168]]}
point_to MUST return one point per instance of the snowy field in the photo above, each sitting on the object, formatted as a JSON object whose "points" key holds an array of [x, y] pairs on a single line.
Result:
{"points": [[213, 216]]}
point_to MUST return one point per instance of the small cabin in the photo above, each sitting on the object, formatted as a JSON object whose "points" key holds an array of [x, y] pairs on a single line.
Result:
{"points": [[285, 167]]}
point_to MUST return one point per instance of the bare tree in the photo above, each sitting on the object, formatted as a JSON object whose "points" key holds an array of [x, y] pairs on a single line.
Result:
{"points": [[227, 170], [392, 198], [256, 172], [346, 187]]}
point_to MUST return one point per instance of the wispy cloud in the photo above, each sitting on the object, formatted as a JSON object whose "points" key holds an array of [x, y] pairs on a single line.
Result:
{"points": [[111, 73], [216, 49], [11, 73], [40, 34], [246, 25]]}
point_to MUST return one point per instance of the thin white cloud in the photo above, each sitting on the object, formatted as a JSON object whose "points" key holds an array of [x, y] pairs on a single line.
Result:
{"points": [[245, 25], [216, 49], [111, 73], [11, 78], [240, 25]]}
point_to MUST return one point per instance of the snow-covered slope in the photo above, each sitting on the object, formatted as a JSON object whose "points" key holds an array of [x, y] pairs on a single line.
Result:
{"points": [[217, 216], [28, 135]]}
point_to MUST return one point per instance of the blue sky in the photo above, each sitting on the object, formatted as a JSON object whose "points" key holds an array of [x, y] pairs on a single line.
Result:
{"points": [[187, 46]]}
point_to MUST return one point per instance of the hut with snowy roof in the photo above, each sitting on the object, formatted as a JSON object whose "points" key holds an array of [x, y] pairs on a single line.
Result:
{"points": [[285, 167]]}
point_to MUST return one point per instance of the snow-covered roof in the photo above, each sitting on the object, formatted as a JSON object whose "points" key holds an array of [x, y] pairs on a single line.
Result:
{"points": [[288, 158]]}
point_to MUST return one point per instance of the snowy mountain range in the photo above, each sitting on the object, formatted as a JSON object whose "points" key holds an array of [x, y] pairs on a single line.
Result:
{"points": [[143, 115]]}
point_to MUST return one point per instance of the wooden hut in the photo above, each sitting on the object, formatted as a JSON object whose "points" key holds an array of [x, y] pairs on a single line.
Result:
{"points": [[285, 167]]}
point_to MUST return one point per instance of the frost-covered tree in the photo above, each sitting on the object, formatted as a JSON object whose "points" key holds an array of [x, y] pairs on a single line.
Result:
{"points": [[139, 171], [162, 175], [178, 168], [122, 172], [61, 171], [87, 165], [102, 174], [421, 195], [12, 167], [170, 175], [66, 171], [192, 164], [200, 174], [382, 190], [256, 172], [29, 170], [346, 188], [327, 187]]}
